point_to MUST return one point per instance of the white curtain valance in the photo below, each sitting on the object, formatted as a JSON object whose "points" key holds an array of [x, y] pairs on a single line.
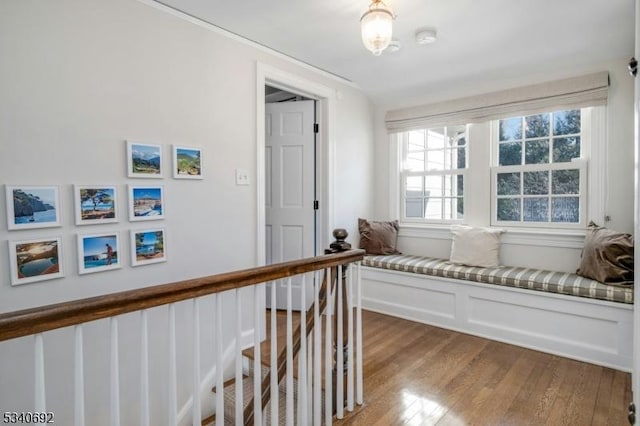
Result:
{"points": [[576, 92]]}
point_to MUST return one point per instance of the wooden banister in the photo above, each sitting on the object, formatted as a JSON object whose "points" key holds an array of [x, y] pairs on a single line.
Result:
{"points": [[37, 320]]}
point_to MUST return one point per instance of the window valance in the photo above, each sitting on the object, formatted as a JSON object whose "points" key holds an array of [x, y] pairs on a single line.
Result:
{"points": [[575, 92]]}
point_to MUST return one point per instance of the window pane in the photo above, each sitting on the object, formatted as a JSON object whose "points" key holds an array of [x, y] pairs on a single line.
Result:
{"points": [[537, 126], [433, 208], [510, 153], [415, 161], [536, 209], [565, 181], [565, 209], [566, 149], [566, 122], [435, 160], [536, 183], [414, 207], [414, 186], [461, 158], [433, 186], [460, 191], [511, 129], [416, 140], [536, 152], [435, 139], [509, 209], [460, 208], [509, 183]]}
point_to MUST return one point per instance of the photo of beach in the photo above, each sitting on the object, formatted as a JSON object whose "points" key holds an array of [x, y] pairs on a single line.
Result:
{"points": [[148, 246], [144, 160], [187, 163], [32, 207], [95, 205], [98, 252], [146, 203], [35, 260]]}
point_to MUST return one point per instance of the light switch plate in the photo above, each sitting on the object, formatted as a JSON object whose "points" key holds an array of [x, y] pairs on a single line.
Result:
{"points": [[242, 177]]}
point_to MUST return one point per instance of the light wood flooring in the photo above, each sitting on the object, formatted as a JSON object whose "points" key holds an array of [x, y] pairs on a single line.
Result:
{"points": [[421, 375]]}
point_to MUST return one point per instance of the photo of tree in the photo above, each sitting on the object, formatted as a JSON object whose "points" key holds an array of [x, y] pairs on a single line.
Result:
{"points": [[95, 204]]}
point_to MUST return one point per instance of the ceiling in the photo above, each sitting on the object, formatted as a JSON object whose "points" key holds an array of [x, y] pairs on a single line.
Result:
{"points": [[480, 43]]}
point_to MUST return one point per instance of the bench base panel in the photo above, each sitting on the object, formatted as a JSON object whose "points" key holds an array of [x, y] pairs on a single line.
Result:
{"points": [[594, 331]]}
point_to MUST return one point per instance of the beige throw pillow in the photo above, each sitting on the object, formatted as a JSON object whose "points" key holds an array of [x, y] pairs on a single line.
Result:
{"points": [[607, 256], [473, 246], [378, 237]]}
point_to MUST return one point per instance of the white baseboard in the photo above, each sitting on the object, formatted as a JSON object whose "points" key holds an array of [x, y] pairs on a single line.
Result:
{"points": [[594, 331]]}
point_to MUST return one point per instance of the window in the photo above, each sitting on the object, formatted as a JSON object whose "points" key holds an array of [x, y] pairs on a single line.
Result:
{"points": [[433, 167], [539, 178]]}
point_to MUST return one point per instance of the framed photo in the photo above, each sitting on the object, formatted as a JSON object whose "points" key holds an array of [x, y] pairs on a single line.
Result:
{"points": [[187, 162], [95, 204], [148, 246], [146, 202], [144, 160], [35, 260], [33, 207], [98, 252]]}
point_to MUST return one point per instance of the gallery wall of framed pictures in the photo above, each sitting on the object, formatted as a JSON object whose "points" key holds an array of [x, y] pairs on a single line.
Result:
{"points": [[31, 207]]}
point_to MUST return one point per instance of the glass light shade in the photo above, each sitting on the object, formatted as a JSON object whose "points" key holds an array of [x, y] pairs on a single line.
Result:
{"points": [[377, 27]]}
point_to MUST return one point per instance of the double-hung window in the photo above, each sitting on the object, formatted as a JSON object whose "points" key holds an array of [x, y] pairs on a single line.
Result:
{"points": [[433, 167], [539, 178]]}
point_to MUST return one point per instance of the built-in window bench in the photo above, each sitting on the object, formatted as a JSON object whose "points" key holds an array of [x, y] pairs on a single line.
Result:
{"points": [[555, 312]]}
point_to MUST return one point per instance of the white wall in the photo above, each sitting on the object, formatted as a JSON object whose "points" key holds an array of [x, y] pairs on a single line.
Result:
{"points": [[77, 79], [549, 251]]}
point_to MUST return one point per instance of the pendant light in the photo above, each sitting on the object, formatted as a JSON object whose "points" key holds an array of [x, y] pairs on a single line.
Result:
{"points": [[376, 26]]}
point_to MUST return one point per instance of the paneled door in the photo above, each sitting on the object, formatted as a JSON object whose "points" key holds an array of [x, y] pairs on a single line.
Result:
{"points": [[290, 191]]}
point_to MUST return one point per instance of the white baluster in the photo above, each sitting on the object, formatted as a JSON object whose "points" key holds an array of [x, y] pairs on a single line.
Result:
{"points": [[317, 353], [144, 369], [309, 416], [275, 391], [258, 314], [196, 409], [328, 346], [350, 339], [289, 395], [238, 363], [219, 364], [302, 356], [115, 375], [40, 396], [339, 349], [359, 379], [79, 378], [173, 382]]}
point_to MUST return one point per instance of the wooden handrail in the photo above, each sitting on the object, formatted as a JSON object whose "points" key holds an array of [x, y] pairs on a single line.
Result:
{"points": [[37, 320]]}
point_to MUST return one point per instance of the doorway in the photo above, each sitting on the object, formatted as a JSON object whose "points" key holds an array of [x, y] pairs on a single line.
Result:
{"points": [[291, 205]]}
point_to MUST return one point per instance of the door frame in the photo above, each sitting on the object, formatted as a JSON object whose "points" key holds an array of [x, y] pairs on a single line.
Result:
{"points": [[325, 151]]}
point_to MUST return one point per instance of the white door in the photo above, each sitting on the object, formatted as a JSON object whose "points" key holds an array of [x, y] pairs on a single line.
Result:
{"points": [[290, 191]]}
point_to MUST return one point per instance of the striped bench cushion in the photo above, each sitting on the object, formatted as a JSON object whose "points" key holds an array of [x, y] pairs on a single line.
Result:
{"points": [[532, 279]]}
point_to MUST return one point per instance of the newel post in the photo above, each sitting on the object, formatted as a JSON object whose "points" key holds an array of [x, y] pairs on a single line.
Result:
{"points": [[340, 245]]}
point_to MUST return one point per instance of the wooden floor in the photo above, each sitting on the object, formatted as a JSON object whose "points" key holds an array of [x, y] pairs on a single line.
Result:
{"points": [[421, 375]]}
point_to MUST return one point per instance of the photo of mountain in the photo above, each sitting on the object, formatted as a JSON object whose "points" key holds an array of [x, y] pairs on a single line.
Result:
{"points": [[187, 163], [144, 160]]}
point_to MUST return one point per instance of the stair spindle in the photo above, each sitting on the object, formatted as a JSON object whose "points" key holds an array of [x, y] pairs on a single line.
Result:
{"points": [[219, 363], [317, 354], [258, 313], [196, 409], [40, 396], [79, 378], [173, 378], [328, 356], [289, 389], [350, 339], [359, 378], [115, 375], [239, 405], [302, 355], [144, 369], [339, 348], [273, 372]]}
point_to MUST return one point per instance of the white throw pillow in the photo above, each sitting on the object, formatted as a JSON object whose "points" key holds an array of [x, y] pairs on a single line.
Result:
{"points": [[473, 246]]}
